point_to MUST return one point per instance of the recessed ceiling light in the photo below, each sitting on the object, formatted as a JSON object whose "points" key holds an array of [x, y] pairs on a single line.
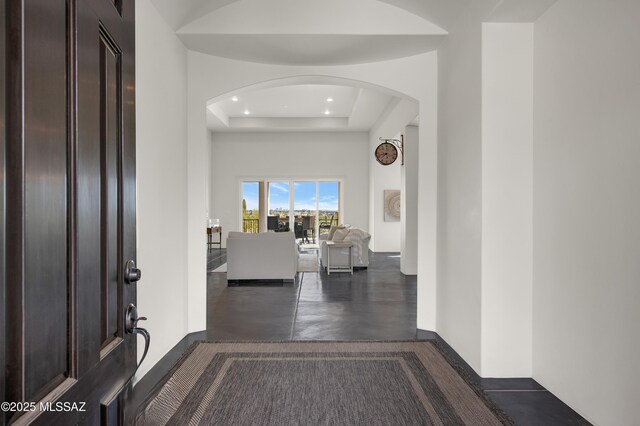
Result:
{"points": [[234, 99], [329, 99], [327, 112], [246, 112]]}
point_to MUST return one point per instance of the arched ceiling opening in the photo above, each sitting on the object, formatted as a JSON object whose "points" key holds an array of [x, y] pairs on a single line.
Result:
{"points": [[304, 103]]}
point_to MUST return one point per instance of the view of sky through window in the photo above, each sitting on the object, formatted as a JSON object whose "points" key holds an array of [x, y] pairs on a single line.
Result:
{"points": [[329, 198], [279, 196], [250, 194], [304, 195]]}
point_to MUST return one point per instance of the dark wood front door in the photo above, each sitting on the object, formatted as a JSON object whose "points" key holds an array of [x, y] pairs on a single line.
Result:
{"points": [[67, 194]]}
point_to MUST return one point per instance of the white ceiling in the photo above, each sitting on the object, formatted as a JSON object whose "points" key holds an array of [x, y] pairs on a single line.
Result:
{"points": [[319, 32], [326, 32], [305, 32], [520, 10], [309, 100], [299, 107], [313, 49], [442, 13]]}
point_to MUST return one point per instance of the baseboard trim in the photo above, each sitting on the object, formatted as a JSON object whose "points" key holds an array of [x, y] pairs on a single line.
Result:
{"points": [[485, 383]]}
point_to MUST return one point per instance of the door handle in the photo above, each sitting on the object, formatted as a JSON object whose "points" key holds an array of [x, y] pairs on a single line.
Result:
{"points": [[131, 273], [131, 327]]}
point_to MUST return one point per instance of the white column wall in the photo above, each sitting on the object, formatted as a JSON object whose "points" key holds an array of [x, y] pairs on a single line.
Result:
{"points": [[210, 155], [161, 162], [586, 196], [460, 185], [507, 199], [263, 205], [409, 203]]}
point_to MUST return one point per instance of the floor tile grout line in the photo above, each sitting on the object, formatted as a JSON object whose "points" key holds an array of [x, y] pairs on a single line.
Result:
{"points": [[295, 312]]}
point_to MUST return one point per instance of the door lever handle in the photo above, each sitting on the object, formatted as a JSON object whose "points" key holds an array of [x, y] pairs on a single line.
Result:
{"points": [[131, 327]]}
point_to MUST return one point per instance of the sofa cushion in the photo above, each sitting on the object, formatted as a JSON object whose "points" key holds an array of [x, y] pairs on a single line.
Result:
{"points": [[340, 234], [266, 255], [262, 235], [333, 230]]}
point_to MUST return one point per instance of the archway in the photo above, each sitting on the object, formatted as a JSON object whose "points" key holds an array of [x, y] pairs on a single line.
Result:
{"points": [[411, 80]]}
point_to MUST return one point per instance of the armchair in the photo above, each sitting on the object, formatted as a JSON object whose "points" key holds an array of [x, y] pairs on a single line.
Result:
{"points": [[359, 252]]}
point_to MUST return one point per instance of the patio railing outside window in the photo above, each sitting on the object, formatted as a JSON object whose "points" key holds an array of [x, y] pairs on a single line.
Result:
{"points": [[250, 225], [253, 225]]}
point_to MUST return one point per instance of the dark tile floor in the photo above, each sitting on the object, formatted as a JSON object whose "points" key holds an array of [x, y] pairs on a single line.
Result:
{"points": [[374, 304]]}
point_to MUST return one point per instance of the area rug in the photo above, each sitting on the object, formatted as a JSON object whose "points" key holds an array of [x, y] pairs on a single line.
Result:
{"points": [[308, 262], [317, 383]]}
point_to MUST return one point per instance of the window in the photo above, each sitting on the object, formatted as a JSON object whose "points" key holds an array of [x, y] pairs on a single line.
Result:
{"points": [[307, 207], [279, 202], [328, 205], [250, 207]]}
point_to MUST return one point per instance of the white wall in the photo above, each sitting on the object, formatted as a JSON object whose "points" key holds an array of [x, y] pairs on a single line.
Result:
{"points": [[410, 217], [485, 192], [460, 184], [274, 155], [507, 162], [161, 152], [586, 202], [212, 77], [386, 236], [209, 186]]}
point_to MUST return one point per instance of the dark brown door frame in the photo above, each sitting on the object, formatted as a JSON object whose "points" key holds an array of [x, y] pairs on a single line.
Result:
{"points": [[2, 202]]}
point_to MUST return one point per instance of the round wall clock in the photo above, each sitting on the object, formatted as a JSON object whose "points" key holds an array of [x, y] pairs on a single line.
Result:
{"points": [[386, 153]]}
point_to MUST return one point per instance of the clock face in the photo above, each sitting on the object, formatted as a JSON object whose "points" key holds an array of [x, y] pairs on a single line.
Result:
{"points": [[386, 153]]}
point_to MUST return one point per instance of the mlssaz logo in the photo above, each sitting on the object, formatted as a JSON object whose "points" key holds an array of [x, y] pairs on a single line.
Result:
{"points": [[62, 406]]}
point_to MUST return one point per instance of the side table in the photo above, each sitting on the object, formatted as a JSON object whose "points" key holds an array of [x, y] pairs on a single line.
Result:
{"points": [[214, 230], [339, 268]]}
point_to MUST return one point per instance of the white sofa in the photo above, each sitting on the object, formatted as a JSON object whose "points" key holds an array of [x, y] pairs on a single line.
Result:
{"points": [[359, 251], [266, 256]]}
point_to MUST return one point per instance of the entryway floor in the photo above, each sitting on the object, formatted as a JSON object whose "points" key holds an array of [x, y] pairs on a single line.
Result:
{"points": [[378, 303], [374, 304]]}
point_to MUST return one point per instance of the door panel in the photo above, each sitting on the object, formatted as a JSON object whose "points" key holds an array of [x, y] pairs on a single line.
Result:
{"points": [[70, 207], [45, 219], [88, 191], [110, 84]]}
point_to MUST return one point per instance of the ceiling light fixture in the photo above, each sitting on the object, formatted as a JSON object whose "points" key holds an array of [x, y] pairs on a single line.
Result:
{"points": [[329, 99], [327, 112], [246, 112], [234, 99]]}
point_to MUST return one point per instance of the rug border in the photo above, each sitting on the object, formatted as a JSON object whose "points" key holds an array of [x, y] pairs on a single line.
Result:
{"points": [[493, 407], [499, 412]]}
